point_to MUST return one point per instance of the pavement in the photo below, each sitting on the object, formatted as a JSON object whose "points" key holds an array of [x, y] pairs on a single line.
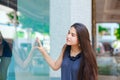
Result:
{"points": [[108, 77], [29, 76]]}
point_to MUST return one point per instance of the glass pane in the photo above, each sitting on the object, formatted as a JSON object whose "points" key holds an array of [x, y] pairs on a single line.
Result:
{"points": [[33, 22], [108, 39], [20, 29]]}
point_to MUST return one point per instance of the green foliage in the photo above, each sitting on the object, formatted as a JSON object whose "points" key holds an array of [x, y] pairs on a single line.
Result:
{"points": [[11, 15], [20, 34], [117, 33], [100, 29], [104, 70]]}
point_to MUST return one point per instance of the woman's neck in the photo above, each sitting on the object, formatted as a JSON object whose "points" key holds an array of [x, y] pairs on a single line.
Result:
{"points": [[75, 50]]}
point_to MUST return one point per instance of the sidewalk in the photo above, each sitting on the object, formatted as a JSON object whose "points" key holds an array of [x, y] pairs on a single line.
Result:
{"points": [[108, 77]]}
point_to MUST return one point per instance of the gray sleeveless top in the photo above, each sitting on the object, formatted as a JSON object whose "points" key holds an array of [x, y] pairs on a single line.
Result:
{"points": [[70, 66]]}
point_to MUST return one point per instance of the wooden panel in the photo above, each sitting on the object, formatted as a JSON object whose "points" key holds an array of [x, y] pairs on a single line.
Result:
{"points": [[108, 11]]}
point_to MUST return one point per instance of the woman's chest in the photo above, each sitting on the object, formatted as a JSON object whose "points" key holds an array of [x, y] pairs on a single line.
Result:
{"points": [[72, 65]]}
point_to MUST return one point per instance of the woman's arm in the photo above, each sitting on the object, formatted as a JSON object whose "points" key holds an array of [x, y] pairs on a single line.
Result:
{"points": [[55, 65], [19, 61]]}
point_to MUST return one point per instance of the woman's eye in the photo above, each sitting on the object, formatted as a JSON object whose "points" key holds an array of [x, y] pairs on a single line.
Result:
{"points": [[73, 35]]}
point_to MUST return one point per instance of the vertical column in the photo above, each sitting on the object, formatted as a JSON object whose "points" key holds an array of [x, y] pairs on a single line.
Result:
{"points": [[81, 12], [59, 24]]}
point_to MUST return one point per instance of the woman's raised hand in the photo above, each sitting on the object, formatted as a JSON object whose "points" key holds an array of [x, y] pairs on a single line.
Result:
{"points": [[39, 45], [38, 42]]}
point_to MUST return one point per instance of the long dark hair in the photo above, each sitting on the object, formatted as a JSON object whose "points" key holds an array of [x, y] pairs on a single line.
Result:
{"points": [[88, 67]]}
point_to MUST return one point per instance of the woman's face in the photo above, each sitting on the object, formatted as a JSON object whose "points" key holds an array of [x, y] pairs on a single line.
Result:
{"points": [[72, 38]]}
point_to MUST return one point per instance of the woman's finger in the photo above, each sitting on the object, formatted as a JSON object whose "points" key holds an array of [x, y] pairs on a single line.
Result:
{"points": [[39, 42]]}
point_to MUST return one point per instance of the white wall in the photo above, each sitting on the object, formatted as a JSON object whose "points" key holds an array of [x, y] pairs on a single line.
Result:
{"points": [[81, 12], [59, 24]]}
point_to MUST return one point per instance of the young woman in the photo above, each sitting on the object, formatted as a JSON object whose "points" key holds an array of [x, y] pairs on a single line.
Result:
{"points": [[77, 59]]}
